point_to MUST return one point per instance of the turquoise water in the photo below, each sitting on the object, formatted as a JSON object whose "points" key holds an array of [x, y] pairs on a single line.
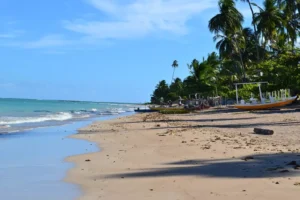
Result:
{"points": [[32, 163], [34, 143], [23, 114]]}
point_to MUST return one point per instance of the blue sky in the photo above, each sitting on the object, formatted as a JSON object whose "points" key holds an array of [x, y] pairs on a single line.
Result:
{"points": [[100, 50]]}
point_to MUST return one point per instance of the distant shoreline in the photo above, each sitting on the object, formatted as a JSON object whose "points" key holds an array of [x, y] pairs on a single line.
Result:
{"points": [[8, 98]]}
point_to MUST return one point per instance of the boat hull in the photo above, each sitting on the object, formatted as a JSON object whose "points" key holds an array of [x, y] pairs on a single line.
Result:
{"points": [[145, 111], [266, 106]]}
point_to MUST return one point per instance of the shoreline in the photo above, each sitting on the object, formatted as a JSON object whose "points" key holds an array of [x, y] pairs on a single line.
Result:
{"points": [[35, 163], [153, 156], [78, 136]]}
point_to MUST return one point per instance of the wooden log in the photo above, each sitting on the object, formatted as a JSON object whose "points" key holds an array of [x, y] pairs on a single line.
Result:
{"points": [[261, 131]]}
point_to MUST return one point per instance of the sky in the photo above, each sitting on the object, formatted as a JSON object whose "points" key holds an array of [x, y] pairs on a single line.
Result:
{"points": [[100, 50]]}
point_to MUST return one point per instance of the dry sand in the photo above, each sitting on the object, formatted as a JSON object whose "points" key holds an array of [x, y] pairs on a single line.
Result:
{"points": [[207, 155]]}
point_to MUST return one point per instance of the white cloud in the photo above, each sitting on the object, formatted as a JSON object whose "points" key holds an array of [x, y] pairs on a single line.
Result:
{"points": [[106, 6], [126, 19], [47, 41], [140, 18], [12, 34], [44, 42]]}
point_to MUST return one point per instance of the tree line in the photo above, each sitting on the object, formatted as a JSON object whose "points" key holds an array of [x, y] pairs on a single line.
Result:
{"points": [[267, 51]]}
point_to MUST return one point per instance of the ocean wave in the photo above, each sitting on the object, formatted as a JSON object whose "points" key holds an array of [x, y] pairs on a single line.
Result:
{"points": [[62, 116], [82, 116], [116, 111], [4, 126], [130, 110]]}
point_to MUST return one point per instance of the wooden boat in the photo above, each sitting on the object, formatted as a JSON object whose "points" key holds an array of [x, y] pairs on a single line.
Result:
{"points": [[261, 106], [145, 110], [265, 105]]}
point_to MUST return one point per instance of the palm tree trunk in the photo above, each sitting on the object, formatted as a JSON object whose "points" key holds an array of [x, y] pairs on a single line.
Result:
{"points": [[241, 59], [243, 67], [173, 75], [255, 30]]}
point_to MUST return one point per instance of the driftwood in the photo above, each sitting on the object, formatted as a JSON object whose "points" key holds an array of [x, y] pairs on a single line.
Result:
{"points": [[261, 131]]}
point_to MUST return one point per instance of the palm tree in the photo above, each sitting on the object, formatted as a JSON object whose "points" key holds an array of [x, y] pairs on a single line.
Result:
{"points": [[225, 45], [231, 47], [177, 87], [254, 26], [161, 91], [174, 65], [291, 20], [229, 20], [194, 68], [269, 21], [227, 25]]}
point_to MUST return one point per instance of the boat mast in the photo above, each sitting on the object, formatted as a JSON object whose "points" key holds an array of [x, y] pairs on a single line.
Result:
{"points": [[236, 89], [237, 94], [260, 95]]}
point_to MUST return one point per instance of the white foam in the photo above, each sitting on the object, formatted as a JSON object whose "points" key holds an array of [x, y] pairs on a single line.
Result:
{"points": [[82, 116], [130, 110], [62, 116], [4, 126]]}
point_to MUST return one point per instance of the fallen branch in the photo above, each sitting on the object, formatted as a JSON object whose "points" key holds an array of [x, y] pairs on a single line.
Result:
{"points": [[261, 131]]}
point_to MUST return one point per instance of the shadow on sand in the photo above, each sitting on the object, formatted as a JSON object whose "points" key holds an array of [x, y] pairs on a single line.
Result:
{"points": [[237, 111], [257, 166], [193, 120], [235, 125]]}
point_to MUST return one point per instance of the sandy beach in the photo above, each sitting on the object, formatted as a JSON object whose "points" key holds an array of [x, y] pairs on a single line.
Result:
{"points": [[208, 155]]}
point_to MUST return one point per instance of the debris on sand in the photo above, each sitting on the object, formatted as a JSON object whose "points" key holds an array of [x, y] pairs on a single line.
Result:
{"points": [[206, 146], [261, 131]]}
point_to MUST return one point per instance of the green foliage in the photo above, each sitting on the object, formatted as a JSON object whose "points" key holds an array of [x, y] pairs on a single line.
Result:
{"points": [[266, 53], [282, 71], [172, 96], [245, 92], [161, 91], [177, 111]]}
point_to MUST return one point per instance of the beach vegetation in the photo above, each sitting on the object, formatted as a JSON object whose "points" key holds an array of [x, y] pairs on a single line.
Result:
{"points": [[266, 51], [174, 111]]}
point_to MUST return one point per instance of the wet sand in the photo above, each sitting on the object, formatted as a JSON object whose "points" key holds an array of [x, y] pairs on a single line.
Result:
{"points": [[207, 155]]}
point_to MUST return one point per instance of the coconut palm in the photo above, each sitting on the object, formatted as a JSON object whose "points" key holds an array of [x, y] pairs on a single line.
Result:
{"points": [[230, 47], [227, 25], [291, 20], [269, 21], [254, 26], [174, 65], [229, 19], [193, 67], [250, 47]]}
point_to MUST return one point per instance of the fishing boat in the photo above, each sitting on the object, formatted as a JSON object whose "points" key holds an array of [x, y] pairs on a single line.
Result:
{"points": [[145, 110], [263, 104]]}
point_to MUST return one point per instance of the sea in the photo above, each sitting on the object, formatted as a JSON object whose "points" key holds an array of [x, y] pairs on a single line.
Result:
{"points": [[23, 114], [35, 142]]}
